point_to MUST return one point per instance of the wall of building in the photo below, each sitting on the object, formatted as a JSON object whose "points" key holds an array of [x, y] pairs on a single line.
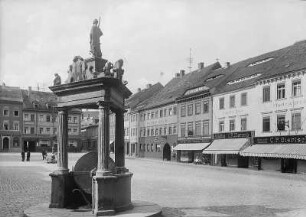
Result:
{"points": [[301, 166], [273, 164]]}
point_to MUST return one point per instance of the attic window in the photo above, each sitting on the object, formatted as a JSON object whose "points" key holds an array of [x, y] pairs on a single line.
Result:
{"points": [[35, 105], [214, 77], [195, 90], [243, 79], [260, 62]]}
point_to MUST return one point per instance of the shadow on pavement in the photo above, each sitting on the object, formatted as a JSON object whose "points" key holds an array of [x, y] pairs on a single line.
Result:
{"points": [[218, 211]]}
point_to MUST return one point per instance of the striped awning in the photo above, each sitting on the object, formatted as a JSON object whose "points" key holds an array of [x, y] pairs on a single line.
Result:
{"points": [[191, 146], [226, 146], [295, 151]]}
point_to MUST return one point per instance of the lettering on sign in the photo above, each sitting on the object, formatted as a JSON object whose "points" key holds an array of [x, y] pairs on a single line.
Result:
{"points": [[244, 134], [184, 140], [291, 104], [280, 139]]}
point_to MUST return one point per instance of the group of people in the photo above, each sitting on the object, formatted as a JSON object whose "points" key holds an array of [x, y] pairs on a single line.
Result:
{"points": [[23, 155]]}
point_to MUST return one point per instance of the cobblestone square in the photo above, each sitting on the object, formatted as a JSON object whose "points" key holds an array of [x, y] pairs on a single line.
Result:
{"points": [[181, 189]]}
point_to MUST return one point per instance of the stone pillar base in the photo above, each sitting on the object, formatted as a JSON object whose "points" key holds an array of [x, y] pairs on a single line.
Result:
{"points": [[60, 189], [120, 170]]}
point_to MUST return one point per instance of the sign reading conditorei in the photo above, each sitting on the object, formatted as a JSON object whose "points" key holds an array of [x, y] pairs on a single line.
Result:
{"points": [[280, 139], [232, 135]]}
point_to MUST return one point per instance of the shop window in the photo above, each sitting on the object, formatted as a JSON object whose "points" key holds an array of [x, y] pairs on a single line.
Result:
{"points": [[243, 99], [281, 91], [296, 121], [16, 142], [281, 122], [232, 125], [221, 126], [206, 128], [266, 124], [148, 147], [206, 106], [183, 129], [296, 88], [232, 102], [183, 111], [198, 128], [243, 124], [266, 94], [16, 113], [221, 103], [190, 109], [197, 108]]}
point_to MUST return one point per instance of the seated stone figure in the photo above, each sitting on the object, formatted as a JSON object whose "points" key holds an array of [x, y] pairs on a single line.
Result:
{"points": [[57, 80], [118, 71]]}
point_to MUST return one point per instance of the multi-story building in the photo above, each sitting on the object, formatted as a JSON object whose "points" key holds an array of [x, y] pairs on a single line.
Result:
{"points": [[132, 117], [159, 117], [40, 122], [262, 101], [10, 118]]}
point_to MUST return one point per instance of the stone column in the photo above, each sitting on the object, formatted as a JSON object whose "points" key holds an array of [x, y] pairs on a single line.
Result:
{"points": [[119, 142], [62, 155], [103, 139]]}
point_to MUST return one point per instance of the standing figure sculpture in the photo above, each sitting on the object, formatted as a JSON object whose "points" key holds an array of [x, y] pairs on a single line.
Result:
{"points": [[95, 35]]}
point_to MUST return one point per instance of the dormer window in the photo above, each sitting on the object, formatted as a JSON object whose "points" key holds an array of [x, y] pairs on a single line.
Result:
{"points": [[260, 61], [35, 105]]}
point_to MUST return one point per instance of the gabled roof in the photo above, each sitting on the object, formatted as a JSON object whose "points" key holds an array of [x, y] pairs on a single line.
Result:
{"points": [[142, 96], [42, 99], [178, 85], [10, 94], [247, 72]]}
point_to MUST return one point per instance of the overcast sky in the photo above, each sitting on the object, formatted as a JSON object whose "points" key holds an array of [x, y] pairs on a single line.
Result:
{"points": [[153, 37]]}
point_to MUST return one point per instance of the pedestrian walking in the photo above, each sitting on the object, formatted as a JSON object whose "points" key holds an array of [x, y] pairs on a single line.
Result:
{"points": [[28, 155], [44, 154], [22, 155]]}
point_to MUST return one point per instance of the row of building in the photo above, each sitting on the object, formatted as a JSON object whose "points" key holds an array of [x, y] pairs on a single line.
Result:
{"points": [[247, 114], [29, 121]]}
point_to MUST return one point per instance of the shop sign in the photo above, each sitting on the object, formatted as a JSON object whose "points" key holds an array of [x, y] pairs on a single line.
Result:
{"points": [[184, 140], [280, 139], [232, 135]]}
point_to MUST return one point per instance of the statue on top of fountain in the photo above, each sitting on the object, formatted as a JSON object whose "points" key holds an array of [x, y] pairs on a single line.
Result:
{"points": [[96, 66]]}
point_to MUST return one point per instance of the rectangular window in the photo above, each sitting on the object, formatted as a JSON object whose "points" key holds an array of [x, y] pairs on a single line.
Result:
{"points": [[296, 121], [32, 117], [16, 113], [165, 130], [165, 112], [198, 128], [281, 122], [54, 130], [296, 88], [75, 130], [243, 99], [6, 125], [26, 130], [69, 130], [148, 132], [174, 110], [69, 119], [183, 111], [232, 125], [232, 102], [152, 115], [266, 124], [266, 94], [161, 131], [48, 118], [41, 118], [156, 114], [152, 132], [221, 103], [243, 124], [206, 128], [16, 126], [183, 129], [221, 126], [281, 91], [75, 119], [161, 113], [174, 130], [48, 130], [206, 106], [156, 132], [5, 112], [32, 130], [170, 130], [170, 111], [190, 109], [41, 130], [26, 117], [197, 108], [190, 129]]}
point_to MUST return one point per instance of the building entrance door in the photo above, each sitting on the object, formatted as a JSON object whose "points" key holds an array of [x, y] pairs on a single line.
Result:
{"points": [[5, 143], [167, 152], [289, 165]]}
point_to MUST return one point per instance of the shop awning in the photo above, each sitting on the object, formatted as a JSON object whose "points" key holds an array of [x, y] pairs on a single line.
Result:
{"points": [[296, 151], [191, 146], [226, 146]]}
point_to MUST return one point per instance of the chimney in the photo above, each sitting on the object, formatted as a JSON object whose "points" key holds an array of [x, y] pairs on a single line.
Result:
{"points": [[29, 91], [201, 65], [182, 73], [149, 85], [177, 75], [138, 90], [227, 64]]}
